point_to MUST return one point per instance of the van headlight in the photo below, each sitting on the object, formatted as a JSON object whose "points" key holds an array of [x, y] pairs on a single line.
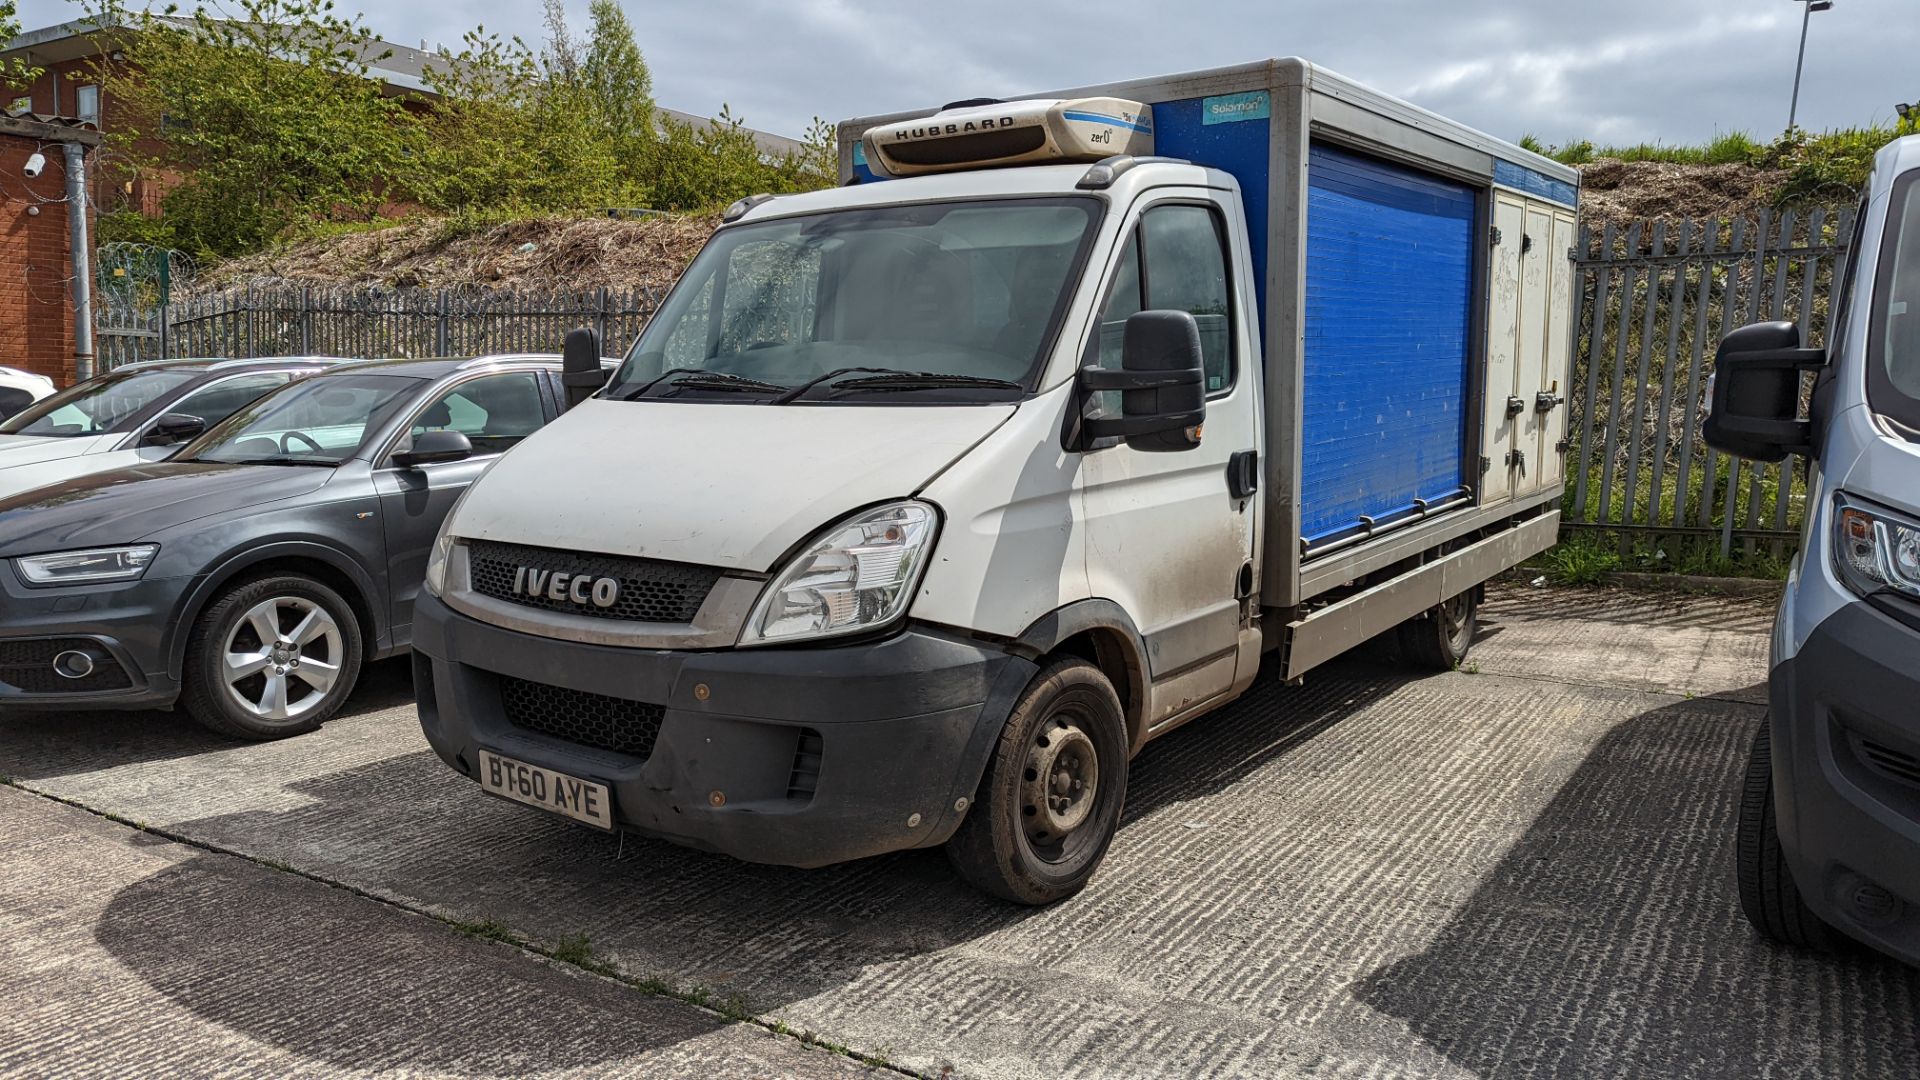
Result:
{"points": [[859, 575], [90, 567], [1877, 551]]}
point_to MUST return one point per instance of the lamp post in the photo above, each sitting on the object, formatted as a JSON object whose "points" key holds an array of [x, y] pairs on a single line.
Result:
{"points": [[1806, 17]]}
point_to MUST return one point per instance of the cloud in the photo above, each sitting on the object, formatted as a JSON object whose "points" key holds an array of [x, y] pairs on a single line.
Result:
{"points": [[1610, 70]]}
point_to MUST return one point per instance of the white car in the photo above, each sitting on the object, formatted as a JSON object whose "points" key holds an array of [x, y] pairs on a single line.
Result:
{"points": [[133, 414], [19, 389]]}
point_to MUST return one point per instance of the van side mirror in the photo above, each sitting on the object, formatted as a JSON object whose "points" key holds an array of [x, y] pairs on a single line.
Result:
{"points": [[173, 428], [580, 370], [1162, 383], [434, 447], [1754, 409]]}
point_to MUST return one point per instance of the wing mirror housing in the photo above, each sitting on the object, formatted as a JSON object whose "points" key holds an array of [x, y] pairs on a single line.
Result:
{"points": [[580, 370], [434, 447], [172, 429], [1162, 383], [1753, 410]]}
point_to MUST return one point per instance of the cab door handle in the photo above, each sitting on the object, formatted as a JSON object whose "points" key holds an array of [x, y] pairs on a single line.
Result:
{"points": [[1243, 473]]}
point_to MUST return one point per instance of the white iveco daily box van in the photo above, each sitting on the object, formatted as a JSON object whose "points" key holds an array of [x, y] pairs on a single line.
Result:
{"points": [[924, 503]]}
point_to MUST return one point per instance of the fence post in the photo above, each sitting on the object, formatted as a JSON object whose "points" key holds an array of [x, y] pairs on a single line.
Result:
{"points": [[441, 345], [600, 318]]}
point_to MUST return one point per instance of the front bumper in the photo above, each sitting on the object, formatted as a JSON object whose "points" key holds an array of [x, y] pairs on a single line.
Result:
{"points": [[1846, 771], [124, 626], [794, 756]]}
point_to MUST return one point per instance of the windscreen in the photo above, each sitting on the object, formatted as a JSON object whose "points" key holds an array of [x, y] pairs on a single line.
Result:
{"points": [[971, 289], [1893, 368], [321, 421], [97, 406]]}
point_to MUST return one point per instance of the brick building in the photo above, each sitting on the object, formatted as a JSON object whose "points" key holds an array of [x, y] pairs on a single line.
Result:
{"points": [[36, 252]]}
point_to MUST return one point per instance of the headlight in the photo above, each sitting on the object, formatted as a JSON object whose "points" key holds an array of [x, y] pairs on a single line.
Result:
{"points": [[1877, 551], [436, 582], [859, 575], [87, 567]]}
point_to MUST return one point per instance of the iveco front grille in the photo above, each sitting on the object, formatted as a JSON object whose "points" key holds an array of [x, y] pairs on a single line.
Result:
{"points": [[649, 590]]}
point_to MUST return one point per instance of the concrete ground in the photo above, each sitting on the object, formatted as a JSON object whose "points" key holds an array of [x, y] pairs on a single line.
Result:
{"points": [[1523, 868]]}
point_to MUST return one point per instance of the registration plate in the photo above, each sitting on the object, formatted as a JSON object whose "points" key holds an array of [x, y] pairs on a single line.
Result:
{"points": [[568, 796]]}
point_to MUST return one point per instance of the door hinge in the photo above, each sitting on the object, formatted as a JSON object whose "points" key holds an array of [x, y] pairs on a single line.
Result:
{"points": [[1516, 405], [1486, 464], [1547, 401], [1563, 446], [1517, 458], [1526, 243], [1493, 235]]}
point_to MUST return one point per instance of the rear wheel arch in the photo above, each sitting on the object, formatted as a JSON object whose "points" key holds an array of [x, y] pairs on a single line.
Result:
{"points": [[324, 564]]}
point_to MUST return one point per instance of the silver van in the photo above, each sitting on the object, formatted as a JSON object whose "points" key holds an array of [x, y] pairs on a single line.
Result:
{"points": [[1829, 836]]}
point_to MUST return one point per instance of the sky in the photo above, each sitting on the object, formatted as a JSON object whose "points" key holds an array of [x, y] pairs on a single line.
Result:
{"points": [[1614, 71]]}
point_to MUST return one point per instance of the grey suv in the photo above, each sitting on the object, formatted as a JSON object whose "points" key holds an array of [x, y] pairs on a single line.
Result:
{"points": [[249, 576]]}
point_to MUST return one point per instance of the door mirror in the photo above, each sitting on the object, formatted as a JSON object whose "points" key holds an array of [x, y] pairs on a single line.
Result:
{"points": [[173, 428], [580, 370], [1162, 384], [433, 447], [1753, 407]]}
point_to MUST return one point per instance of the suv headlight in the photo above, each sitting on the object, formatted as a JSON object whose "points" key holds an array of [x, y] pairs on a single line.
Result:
{"points": [[88, 567], [859, 575], [436, 583], [1877, 551]]}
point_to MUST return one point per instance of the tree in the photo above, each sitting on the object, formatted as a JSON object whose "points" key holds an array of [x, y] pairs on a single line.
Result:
{"points": [[619, 83], [266, 123], [15, 74]]}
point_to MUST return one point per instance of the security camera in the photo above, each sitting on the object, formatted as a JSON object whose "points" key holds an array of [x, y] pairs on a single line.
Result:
{"points": [[36, 165]]}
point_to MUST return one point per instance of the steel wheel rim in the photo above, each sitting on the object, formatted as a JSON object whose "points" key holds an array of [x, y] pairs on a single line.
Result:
{"points": [[281, 658], [1060, 786], [1456, 620]]}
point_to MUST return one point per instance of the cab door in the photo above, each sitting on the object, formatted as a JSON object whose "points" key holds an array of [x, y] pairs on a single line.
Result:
{"points": [[1167, 536], [494, 411]]}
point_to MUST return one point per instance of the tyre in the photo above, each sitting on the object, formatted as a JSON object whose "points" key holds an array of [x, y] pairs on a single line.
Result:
{"points": [[271, 657], [1439, 639], [1050, 802], [1768, 894]]}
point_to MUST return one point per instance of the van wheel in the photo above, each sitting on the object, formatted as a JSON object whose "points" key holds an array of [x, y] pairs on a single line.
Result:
{"points": [[1050, 802], [1768, 894], [271, 657], [1439, 639]]}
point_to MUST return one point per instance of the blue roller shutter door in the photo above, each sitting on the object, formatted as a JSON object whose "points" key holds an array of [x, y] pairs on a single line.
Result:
{"points": [[1388, 317]]}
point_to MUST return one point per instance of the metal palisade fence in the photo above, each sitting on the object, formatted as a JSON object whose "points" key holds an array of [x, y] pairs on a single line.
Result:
{"points": [[1655, 299], [290, 320]]}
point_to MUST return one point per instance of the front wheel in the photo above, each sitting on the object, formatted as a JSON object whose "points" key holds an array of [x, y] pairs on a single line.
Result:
{"points": [[272, 657], [1440, 638], [1768, 894], [1050, 802]]}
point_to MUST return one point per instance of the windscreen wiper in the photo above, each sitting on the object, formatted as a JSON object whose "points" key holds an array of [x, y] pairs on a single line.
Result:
{"points": [[922, 380], [701, 379], [883, 379]]}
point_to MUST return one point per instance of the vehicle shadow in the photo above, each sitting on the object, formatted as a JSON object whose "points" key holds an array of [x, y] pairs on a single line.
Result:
{"points": [[1609, 941], [290, 963], [47, 745]]}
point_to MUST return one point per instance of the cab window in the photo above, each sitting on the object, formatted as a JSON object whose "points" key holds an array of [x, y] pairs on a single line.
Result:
{"points": [[494, 412], [1176, 260]]}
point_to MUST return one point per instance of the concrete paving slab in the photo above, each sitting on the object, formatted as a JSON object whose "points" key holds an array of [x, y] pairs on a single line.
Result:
{"points": [[1520, 872], [124, 954]]}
